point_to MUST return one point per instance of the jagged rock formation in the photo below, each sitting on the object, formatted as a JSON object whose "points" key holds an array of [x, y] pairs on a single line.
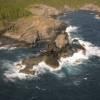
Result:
{"points": [[52, 55]]}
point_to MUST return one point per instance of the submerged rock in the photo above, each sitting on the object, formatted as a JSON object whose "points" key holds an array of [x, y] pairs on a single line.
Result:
{"points": [[29, 63]]}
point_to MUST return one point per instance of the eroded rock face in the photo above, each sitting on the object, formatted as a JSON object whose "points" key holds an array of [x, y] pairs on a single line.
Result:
{"points": [[35, 28]]}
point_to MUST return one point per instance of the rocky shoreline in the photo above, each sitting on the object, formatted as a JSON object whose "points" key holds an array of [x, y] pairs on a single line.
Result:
{"points": [[43, 26], [52, 54]]}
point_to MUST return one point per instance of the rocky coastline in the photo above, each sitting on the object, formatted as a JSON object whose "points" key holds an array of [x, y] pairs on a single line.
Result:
{"points": [[42, 26]]}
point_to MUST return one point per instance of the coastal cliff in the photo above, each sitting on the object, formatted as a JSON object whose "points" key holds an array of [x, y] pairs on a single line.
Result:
{"points": [[28, 31]]}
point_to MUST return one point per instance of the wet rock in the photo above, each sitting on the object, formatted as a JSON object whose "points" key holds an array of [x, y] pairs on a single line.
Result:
{"points": [[76, 46], [29, 63], [65, 52], [52, 54], [51, 57], [27, 71], [52, 61]]}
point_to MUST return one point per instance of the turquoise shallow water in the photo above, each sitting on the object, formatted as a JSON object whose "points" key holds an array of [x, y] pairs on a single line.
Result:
{"points": [[81, 82]]}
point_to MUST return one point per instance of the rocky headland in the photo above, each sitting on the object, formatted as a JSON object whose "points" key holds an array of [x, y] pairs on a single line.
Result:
{"points": [[42, 26]]}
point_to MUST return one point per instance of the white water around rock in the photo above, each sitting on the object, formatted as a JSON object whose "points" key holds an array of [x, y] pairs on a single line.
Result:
{"points": [[73, 61]]}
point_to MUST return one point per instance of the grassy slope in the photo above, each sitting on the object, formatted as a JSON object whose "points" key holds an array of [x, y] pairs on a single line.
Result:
{"points": [[13, 9]]}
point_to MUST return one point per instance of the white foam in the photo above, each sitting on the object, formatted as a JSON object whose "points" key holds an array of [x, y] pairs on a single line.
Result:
{"points": [[7, 47], [79, 57], [91, 50], [13, 72], [97, 17], [71, 29], [75, 59], [4, 47], [85, 78]]}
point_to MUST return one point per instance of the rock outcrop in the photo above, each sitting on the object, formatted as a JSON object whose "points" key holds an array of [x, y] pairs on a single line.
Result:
{"points": [[35, 28], [53, 54], [42, 27]]}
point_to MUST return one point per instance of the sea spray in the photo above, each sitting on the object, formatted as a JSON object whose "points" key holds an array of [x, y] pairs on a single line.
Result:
{"points": [[12, 73], [72, 32], [69, 63]]}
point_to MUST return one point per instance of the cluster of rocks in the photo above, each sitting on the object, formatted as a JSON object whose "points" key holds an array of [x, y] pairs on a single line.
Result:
{"points": [[54, 51], [40, 27]]}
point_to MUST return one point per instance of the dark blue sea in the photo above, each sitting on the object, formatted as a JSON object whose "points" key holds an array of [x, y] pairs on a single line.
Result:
{"points": [[80, 82]]}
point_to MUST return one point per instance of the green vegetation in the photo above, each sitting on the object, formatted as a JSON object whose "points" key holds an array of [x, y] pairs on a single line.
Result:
{"points": [[13, 9]]}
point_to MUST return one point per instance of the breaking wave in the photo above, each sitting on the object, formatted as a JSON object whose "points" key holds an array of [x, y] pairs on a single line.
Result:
{"points": [[7, 47], [69, 64]]}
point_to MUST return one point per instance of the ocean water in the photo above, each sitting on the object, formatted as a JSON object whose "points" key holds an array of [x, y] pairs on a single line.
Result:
{"points": [[77, 78]]}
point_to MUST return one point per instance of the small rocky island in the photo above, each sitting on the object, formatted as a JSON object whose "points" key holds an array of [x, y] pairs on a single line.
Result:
{"points": [[41, 27]]}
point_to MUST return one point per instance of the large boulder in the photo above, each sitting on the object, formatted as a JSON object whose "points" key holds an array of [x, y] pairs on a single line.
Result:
{"points": [[35, 28], [62, 40]]}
